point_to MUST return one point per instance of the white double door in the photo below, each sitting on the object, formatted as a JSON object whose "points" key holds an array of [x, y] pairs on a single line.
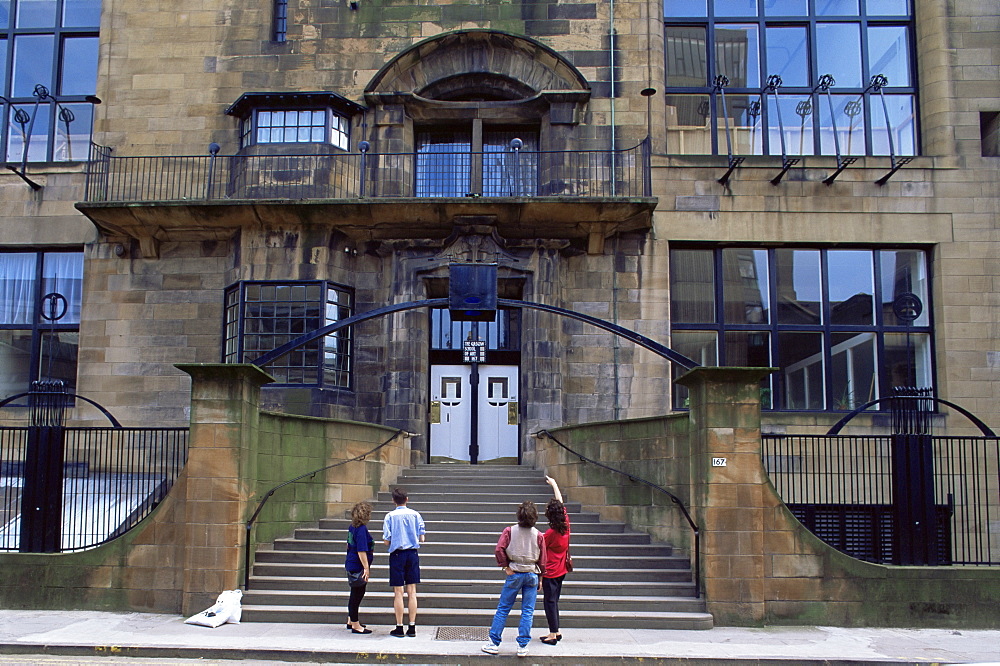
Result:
{"points": [[473, 412]]}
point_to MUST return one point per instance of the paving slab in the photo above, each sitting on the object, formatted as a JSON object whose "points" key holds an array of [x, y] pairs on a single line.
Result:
{"points": [[151, 635]]}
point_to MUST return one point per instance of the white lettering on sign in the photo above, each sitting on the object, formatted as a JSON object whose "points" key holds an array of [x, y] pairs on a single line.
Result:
{"points": [[718, 462], [474, 351]]}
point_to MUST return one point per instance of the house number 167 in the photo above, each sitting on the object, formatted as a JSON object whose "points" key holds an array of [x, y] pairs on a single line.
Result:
{"points": [[718, 462]]}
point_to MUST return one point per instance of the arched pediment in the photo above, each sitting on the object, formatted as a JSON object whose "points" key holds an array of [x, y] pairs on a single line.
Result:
{"points": [[504, 64]]}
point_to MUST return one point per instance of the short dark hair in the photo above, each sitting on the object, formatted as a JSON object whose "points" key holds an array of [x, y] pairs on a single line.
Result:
{"points": [[399, 496], [527, 514]]}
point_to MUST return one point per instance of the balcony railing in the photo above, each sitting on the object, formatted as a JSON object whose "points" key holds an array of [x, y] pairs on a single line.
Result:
{"points": [[507, 174]]}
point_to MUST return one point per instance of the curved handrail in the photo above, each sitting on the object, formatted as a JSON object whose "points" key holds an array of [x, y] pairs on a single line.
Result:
{"points": [[110, 417], [267, 496], [695, 566], [983, 428]]}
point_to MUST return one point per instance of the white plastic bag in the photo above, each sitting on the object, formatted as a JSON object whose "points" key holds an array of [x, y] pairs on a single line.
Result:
{"points": [[227, 608]]}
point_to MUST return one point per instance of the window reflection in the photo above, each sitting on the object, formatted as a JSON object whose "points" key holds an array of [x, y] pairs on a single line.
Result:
{"points": [[796, 118], [800, 298], [788, 55], [849, 119], [904, 271], [908, 359], [901, 125], [837, 7], [889, 53], [699, 346], [838, 49], [800, 357], [78, 71], [692, 286], [888, 7], [688, 130], [852, 371], [32, 63], [745, 286], [686, 56], [36, 13], [737, 54], [785, 7], [735, 7], [851, 287]]}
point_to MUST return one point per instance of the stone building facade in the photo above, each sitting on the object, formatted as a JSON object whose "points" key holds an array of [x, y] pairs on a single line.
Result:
{"points": [[746, 271]]}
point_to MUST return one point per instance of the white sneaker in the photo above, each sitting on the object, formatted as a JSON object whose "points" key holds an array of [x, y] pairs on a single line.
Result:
{"points": [[522, 651], [489, 648]]}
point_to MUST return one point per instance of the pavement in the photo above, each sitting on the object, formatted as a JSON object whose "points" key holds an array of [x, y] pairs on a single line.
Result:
{"points": [[149, 635]]}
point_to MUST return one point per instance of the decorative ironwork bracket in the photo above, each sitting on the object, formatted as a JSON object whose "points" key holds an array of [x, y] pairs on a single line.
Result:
{"points": [[721, 82], [773, 83], [878, 82]]}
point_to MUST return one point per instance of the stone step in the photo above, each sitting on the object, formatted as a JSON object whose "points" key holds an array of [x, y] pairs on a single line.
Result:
{"points": [[338, 535], [478, 596], [594, 561], [422, 498], [579, 586], [381, 620], [438, 571], [445, 522], [483, 547]]}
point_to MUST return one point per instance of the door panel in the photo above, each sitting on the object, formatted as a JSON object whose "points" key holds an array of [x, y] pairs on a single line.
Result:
{"points": [[451, 412], [450, 389], [497, 397]]}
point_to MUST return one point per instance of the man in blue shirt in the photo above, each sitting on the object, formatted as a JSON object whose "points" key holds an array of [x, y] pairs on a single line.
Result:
{"points": [[403, 532]]}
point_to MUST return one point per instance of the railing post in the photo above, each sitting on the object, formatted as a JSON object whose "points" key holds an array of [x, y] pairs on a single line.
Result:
{"points": [[42, 493], [213, 151], [364, 147]]}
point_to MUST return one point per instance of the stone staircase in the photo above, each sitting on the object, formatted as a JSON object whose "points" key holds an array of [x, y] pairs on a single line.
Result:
{"points": [[621, 578]]}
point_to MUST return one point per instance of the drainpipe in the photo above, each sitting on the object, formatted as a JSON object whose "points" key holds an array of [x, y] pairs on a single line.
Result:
{"points": [[614, 318], [614, 92]]}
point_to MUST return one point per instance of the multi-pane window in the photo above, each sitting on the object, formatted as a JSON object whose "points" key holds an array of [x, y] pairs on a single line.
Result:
{"points": [[40, 296], [279, 32], [835, 321], [295, 126], [798, 41], [262, 316], [476, 161], [54, 44]]}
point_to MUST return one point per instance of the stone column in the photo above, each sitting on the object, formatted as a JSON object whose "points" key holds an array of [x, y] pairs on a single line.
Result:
{"points": [[220, 478], [726, 489]]}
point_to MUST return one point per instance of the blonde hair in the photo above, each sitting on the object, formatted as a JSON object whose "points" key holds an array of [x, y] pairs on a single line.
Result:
{"points": [[361, 513]]}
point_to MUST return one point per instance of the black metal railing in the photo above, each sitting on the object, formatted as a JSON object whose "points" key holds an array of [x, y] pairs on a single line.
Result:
{"points": [[696, 536], [111, 478], [843, 488], [511, 174], [301, 477]]}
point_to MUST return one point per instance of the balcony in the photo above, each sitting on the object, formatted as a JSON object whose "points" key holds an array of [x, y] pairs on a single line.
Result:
{"points": [[372, 196]]}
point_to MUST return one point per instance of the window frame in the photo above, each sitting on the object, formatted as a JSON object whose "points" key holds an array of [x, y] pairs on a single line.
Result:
{"points": [[234, 332], [47, 112], [339, 113], [825, 328], [335, 126], [872, 107], [38, 326]]}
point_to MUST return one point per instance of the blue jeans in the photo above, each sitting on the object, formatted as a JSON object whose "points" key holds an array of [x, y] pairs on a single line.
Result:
{"points": [[527, 585]]}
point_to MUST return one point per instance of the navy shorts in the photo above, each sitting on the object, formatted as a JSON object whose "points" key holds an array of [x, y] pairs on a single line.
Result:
{"points": [[404, 567]]}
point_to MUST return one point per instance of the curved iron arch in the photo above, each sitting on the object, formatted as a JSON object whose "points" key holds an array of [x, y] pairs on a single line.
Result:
{"points": [[985, 429], [641, 340], [110, 417]]}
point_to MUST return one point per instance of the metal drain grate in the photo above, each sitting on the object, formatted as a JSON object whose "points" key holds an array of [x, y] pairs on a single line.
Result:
{"points": [[462, 634]]}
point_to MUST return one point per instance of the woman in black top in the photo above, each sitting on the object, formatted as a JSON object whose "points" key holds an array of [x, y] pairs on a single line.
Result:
{"points": [[360, 549]]}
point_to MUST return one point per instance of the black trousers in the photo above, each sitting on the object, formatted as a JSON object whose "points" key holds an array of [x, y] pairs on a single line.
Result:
{"points": [[354, 603], [551, 589]]}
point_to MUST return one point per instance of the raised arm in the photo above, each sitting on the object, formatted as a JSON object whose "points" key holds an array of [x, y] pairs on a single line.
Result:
{"points": [[555, 487]]}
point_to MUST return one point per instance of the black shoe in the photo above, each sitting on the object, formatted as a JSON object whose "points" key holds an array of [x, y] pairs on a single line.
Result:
{"points": [[363, 631], [549, 641], [398, 632], [350, 627], [412, 631]]}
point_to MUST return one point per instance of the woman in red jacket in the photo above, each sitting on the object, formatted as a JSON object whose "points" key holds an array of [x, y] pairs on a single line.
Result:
{"points": [[557, 550]]}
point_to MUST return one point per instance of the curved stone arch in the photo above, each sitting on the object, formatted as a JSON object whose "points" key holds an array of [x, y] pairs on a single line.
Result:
{"points": [[489, 52]]}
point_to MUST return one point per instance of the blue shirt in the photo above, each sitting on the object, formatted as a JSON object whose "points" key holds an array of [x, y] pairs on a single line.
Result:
{"points": [[358, 538], [402, 528]]}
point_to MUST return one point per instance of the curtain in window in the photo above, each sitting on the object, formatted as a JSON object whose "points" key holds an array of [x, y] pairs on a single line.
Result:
{"points": [[62, 273], [17, 285]]}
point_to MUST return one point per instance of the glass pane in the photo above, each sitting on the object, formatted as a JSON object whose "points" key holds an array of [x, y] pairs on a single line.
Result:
{"points": [[837, 8], [685, 8], [745, 126], [688, 129], [62, 273], [851, 287], [788, 55], [800, 297], [17, 288], [888, 8], [443, 164], [796, 117], [850, 123], [745, 286], [750, 349], [908, 359], [32, 63], [36, 13], [58, 357], [74, 125], [686, 53], [786, 8], [77, 13], [4, 14], [17, 134], [736, 7], [800, 357], [700, 346], [15, 362], [737, 54], [838, 48], [78, 69], [692, 287], [889, 54], [904, 272], [902, 120], [852, 371]]}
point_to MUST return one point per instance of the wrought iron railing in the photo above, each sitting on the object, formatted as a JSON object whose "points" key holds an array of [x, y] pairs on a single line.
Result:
{"points": [[843, 489], [695, 534], [511, 174], [111, 479]]}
